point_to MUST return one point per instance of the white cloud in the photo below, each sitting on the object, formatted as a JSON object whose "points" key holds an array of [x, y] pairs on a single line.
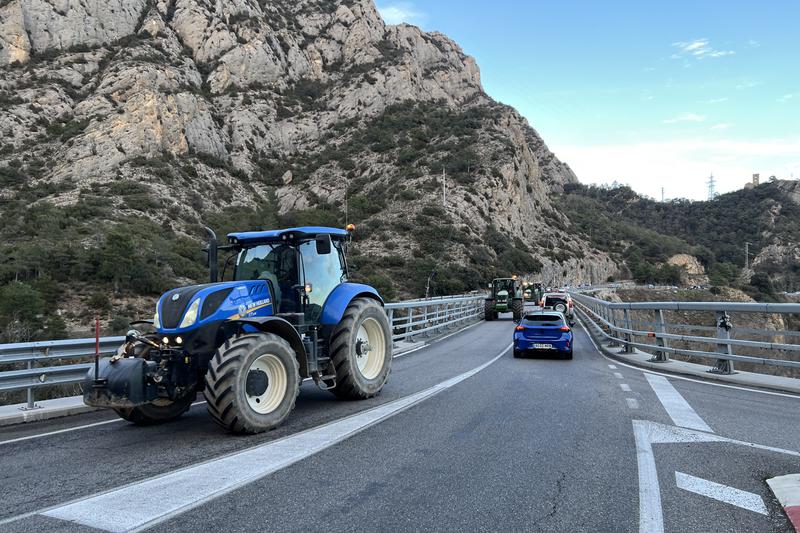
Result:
{"points": [[683, 166], [685, 117], [698, 49], [401, 12], [715, 100], [748, 85], [752, 43], [721, 126], [785, 98]]}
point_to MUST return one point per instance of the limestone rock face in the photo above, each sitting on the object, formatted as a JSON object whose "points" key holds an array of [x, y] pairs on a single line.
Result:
{"points": [[260, 99], [693, 271]]}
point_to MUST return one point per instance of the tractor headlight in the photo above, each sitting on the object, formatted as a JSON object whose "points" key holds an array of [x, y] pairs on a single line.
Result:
{"points": [[156, 320], [191, 314]]}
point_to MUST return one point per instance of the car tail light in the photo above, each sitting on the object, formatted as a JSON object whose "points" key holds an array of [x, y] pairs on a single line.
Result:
{"points": [[570, 304], [519, 328], [541, 303], [567, 344], [565, 328]]}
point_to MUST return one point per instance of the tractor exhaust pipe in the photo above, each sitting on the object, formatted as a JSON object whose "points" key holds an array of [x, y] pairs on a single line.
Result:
{"points": [[213, 264]]}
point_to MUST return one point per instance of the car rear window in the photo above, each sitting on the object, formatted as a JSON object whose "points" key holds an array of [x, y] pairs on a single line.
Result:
{"points": [[552, 300], [542, 320]]}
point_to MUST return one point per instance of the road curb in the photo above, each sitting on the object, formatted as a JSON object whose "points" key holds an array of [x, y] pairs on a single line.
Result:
{"points": [[682, 368], [787, 491], [47, 409]]}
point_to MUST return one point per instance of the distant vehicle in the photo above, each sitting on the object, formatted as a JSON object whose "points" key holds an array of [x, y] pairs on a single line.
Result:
{"points": [[560, 302], [543, 332], [505, 294]]}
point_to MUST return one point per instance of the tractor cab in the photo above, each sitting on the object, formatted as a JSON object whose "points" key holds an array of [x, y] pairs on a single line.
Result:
{"points": [[301, 265]]}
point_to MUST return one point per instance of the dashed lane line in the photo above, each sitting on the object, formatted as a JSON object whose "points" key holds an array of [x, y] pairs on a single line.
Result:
{"points": [[617, 375], [625, 387], [633, 403]]}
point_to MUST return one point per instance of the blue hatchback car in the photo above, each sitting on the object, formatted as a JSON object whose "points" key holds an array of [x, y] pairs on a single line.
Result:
{"points": [[543, 332]]}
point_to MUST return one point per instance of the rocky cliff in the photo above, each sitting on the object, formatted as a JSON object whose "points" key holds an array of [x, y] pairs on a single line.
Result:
{"points": [[181, 113]]}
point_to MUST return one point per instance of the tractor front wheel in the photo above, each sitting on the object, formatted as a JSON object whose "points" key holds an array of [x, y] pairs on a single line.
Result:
{"points": [[518, 308], [488, 310], [252, 383], [361, 350], [159, 411]]}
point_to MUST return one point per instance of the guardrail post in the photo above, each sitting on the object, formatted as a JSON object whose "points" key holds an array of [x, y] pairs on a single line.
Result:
{"points": [[611, 316], [660, 356], [724, 325], [409, 326], [627, 320], [390, 315], [31, 401]]}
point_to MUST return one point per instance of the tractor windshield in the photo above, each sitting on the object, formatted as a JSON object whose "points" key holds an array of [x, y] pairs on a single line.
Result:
{"points": [[504, 285], [277, 263], [292, 270]]}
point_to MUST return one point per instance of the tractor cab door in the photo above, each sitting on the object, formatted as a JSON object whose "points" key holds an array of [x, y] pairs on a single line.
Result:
{"points": [[323, 270]]}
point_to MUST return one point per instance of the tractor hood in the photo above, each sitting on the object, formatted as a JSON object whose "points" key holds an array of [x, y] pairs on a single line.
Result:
{"points": [[188, 308]]}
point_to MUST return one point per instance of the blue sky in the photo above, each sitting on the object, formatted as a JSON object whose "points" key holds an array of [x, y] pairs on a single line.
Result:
{"points": [[650, 94]]}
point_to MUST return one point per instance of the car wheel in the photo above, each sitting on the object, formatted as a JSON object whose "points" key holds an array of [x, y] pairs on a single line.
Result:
{"points": [[517, 354], [568, 355]]}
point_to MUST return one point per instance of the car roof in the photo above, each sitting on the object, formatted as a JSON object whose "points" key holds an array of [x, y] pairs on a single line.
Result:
{"points": [[544, 312], [556, 294], [278, 235]]}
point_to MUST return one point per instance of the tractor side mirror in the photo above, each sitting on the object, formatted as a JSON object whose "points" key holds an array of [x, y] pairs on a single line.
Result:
{"points": [[323, 244]]}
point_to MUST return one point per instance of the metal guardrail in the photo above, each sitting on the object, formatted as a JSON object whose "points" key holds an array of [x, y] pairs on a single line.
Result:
{"points": [[614, 321], [408, 319]]}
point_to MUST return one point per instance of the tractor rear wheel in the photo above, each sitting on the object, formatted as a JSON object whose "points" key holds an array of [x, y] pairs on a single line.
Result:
{"points": [[518, 308], [252, 383], [488, 313], [159, 411], [361, 350]]}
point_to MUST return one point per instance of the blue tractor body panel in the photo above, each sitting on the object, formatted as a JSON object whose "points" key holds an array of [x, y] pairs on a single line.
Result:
{"points": [[340, 298], [217, 302]]}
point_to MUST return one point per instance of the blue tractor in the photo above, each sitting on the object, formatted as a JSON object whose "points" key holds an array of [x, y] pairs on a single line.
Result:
{"points": [[287, 314]]}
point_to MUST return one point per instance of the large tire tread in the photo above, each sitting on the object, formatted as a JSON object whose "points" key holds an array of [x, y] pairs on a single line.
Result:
{"points": [[347, 387], [220, 390]]}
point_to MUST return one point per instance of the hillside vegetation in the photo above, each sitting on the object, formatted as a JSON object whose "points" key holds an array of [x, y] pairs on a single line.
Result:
{"points": [[644, 233]]}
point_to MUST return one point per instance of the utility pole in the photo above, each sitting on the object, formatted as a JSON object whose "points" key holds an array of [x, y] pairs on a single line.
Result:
{"points": [[712, 192], [662, 195]]}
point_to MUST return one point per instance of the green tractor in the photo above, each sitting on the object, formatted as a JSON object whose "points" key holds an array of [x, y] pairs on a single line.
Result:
{"points": [[505, 294]]}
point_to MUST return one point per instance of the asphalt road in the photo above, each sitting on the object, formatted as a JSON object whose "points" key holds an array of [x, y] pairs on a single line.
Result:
{"points": [[520, 445]]}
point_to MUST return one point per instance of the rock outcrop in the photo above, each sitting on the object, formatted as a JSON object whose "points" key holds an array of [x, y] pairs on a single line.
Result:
{"points": [[313, 105]]}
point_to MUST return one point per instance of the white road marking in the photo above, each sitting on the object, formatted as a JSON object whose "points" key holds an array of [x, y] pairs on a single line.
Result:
{"points": [[617, 375], [633, 403], [625, 387], [651, 516], [682, 378], [723, 493], [434, 341], [646, 434], [67, 430], [612, 367], [677, 408], [146, 503], [116, 420]]}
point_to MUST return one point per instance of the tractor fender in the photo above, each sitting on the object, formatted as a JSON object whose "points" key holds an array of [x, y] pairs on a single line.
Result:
{"points": [[283, 329], [340, 298]]}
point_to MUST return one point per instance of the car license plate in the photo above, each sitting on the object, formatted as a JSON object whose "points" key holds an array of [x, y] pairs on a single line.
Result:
{"points": [[538, 346]]}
